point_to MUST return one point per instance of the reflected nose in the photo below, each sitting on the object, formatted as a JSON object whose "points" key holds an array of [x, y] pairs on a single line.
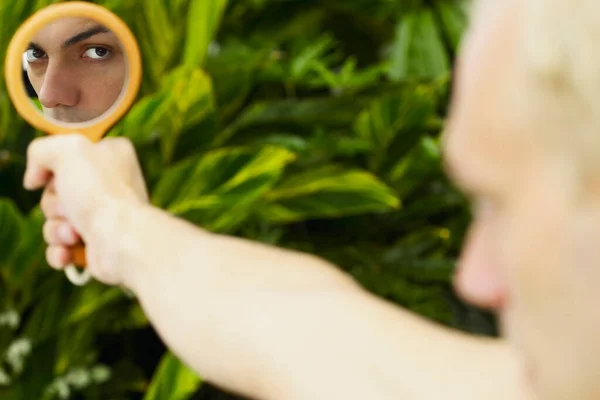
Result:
{"points": [[478, 279], [59, 88]]}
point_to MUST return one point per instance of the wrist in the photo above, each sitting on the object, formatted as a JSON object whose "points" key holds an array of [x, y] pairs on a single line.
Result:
{"points": [[111, 231]]}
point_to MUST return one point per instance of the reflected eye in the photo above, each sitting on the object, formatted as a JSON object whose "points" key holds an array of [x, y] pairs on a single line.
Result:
{"points": [[97, 53], [35, 54]]}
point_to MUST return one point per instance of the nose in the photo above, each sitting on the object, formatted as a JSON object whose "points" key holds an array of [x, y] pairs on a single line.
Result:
{"points": [[478, 279], [58, 88]]}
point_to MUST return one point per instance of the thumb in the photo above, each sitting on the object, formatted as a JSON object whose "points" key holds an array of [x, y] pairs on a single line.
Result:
{"points": [[44, 156]]}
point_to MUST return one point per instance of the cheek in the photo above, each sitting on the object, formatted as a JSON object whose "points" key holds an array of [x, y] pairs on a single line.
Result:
{"points": [[36, 79], [115, 71], [102, 86]]}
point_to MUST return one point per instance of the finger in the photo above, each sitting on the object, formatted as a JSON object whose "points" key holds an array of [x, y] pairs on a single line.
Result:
{"points": [[35, 177], [44, 155], [58, 257], [50, 205], [51, 186], [58, 232]]}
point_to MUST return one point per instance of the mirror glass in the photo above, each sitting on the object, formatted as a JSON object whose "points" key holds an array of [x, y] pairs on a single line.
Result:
{"points": [[74, 70]]}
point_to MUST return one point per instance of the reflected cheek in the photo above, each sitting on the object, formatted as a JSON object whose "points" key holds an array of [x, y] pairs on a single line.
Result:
{"points": [[36, 79], [104, 86]]}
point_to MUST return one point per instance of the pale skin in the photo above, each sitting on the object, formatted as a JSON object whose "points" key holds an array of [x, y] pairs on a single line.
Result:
{"points": [[274, 324], [77, 68]]}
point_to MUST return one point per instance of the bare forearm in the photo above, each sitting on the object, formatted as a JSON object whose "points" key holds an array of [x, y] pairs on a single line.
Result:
{"points": [[201, 291], [270, 323]]}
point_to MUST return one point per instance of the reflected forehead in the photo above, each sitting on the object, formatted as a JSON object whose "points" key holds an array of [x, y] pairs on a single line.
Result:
{"points": [[64, 29]]}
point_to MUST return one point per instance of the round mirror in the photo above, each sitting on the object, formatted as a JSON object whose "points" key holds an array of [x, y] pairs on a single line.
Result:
{"points": [[74, 70], [73, 67]]}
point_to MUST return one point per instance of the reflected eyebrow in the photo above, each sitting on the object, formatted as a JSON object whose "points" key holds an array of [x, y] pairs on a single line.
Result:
{"points": [[84, 35], [33, 45]]}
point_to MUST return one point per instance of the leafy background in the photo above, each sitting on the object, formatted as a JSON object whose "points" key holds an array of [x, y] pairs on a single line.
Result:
{"points": [[307, 124]]}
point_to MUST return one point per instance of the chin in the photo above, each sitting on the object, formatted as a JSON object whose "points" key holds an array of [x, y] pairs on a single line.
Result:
{"points": [[72, 119]]}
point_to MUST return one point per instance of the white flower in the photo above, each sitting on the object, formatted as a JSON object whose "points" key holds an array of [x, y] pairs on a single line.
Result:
{"points": [[62, 388], [214, 48], [16, 353], [10, 318], [4, 378], [79, 378], [100, 373]]}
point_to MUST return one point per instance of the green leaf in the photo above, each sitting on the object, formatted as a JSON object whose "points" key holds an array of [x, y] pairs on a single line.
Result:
{"points": [[45, 319], [89, 301], [454, 17], [393, 125], [218, 190], [418, 50], [310, 56], [158, 36], [184, 100], [204, 17], [294, 115], [233, 80], [28, 260], [417, 168], [325, 193], [11, 234], [37, 375], [173, 380], [126, 377]]}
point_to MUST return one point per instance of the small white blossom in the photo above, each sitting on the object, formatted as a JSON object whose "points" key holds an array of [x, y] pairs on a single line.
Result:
{"points": [[4, 378], [214, 49], [79, 378], [100, 373], [10, 318], [17, 352], [60, 388], [63, 389]]}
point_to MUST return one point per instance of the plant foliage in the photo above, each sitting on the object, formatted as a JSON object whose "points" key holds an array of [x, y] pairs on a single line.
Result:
{"points": [[306, 124]]}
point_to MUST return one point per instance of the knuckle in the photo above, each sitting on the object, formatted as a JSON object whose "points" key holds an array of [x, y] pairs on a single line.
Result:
{"points": [[120, 147], [34, 147], [125, 147], [121, 150], [78, 142]]}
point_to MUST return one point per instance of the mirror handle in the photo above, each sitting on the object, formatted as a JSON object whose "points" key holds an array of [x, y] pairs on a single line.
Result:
{"points": [[78, 256], [76, 272]]}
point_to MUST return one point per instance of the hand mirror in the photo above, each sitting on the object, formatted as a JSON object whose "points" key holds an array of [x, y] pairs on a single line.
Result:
{"points": [[73, 67]]}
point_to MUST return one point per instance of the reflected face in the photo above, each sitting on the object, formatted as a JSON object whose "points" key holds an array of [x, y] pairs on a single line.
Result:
{"points": [[533, 250], [77, 68]]}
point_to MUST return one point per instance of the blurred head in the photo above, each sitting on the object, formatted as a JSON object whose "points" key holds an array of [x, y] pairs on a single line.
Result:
{"points": [[77, 68], [523, 142]]}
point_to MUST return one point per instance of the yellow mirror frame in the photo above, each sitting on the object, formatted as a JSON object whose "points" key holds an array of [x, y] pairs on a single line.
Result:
{"points": [[97, 128]]}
